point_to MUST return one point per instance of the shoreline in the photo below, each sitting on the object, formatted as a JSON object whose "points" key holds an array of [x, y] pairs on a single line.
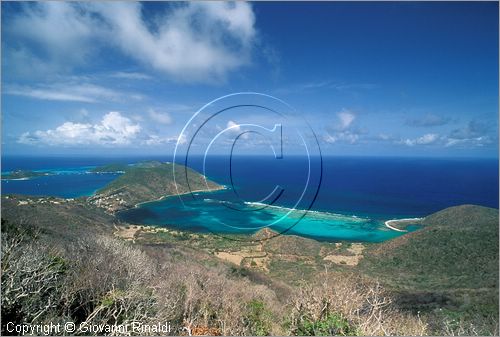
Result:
{"points": [[12, 179], [388, 223], [178, 195]]}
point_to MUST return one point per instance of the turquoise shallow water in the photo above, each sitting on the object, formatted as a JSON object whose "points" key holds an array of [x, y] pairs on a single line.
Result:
{"points": [[373, 189], [211, 212]]}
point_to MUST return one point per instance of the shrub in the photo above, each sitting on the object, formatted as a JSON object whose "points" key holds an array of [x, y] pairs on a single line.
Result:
{"points": [[332, 324], [32, 279], [257, 318], [349, 305]]}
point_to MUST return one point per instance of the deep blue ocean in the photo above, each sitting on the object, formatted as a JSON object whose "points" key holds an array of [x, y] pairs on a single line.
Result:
{"points": [[355, 196]]}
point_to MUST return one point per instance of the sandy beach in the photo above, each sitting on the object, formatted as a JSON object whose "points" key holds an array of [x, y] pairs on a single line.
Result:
{"points": [[389, 222]]}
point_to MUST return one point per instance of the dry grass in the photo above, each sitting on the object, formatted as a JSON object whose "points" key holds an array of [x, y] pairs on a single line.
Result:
{"points": [[366, 306], [105, 280], [102, 280]]}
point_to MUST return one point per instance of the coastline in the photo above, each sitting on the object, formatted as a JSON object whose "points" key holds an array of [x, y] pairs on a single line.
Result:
{"points": [[389, 222], [25, 178], [177, 195]]}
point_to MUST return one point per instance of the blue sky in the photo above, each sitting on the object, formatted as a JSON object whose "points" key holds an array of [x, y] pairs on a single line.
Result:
{"points": [[388, 79]]}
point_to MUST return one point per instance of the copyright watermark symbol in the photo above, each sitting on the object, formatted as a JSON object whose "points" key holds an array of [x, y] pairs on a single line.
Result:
{"points": [[255, 138], [49, 329]]}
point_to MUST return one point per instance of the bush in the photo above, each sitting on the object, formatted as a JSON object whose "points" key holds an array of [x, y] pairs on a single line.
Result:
{"points": [[332, 324], [32, 278], [258, 319], [101, 280], [346, 305]]}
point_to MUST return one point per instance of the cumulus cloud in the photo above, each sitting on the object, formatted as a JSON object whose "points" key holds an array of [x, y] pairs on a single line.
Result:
{"points": [[345, 136], [154, 140], [160, 117], [113, 129], [193, 41], [343, 130], [235, 129], [474, 134], [346, 118], [426, 139], [233, 126]]}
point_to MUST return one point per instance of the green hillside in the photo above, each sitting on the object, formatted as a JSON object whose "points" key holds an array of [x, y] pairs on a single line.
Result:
{"points": [[448, 269], [148, 181], [116, 167], [440, 280], [58, 218], [120, 167], [457, 248]]}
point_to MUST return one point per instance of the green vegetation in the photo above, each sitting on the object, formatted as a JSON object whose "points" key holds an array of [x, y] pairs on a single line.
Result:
{"points": [[148, 181], [451, 263], [59, 218], [47, 281], [330, 325], [258, 318], [457, 248], [111, 168], [440, 279], [121, 168], [24, 174]]}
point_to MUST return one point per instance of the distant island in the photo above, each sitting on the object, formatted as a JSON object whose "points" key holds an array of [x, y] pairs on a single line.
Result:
{"points": [[110, 168], [24, 174]]}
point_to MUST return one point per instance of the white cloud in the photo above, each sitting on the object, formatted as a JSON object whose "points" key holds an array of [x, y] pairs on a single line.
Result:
{"points": [[113, 129], [233, 126], [467, 142], [346, 118], [384, 136], [235, 129], [160, 117], [88, 93], [21, 63], [61, 29], [426, 139], [475, 134], [193, 41], [345, 136], [343, 131], [130, 75], [324, 84], [155, 140], [182, 139]]}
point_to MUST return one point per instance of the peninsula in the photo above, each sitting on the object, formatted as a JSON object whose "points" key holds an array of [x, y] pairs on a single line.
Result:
{"points": [[147, 181]]}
